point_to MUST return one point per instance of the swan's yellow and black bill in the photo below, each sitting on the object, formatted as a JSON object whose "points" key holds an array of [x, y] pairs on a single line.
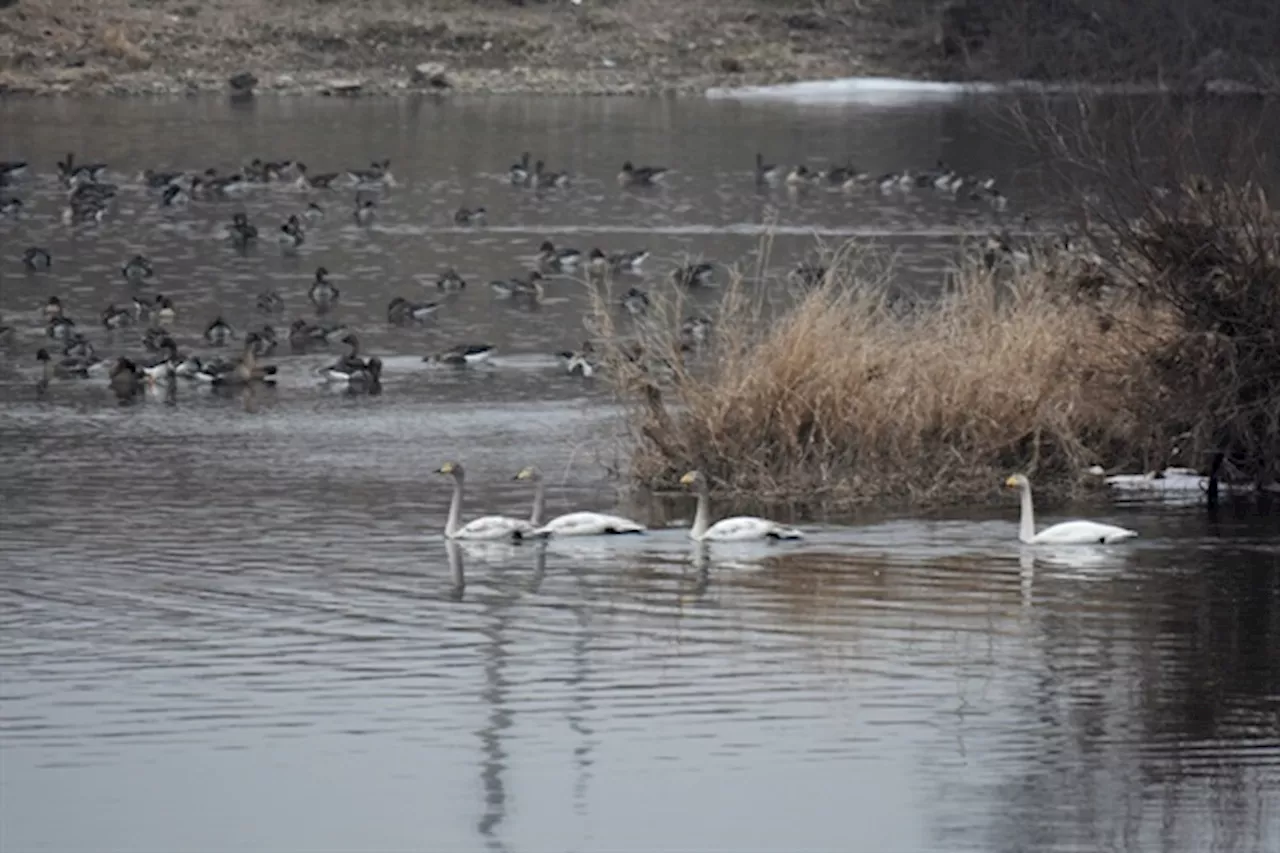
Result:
{"points": [[525, 474], [446, 468], [687, 479]]}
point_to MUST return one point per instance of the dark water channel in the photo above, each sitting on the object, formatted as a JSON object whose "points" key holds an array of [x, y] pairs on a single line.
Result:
{"points": [[234, 624]]}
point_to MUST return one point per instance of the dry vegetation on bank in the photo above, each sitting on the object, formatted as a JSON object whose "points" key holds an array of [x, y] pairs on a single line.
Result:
{"points": [[1164, 348], [487, 45]]}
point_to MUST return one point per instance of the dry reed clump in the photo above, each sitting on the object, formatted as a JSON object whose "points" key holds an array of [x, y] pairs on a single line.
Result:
{"points": [[849, 394]]}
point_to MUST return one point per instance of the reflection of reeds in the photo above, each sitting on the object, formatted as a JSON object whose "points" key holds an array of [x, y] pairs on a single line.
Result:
{"points": [[852, 392]]}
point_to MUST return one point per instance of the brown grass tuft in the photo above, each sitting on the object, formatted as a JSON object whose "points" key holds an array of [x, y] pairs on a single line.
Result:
{"points": [[852, 394]]}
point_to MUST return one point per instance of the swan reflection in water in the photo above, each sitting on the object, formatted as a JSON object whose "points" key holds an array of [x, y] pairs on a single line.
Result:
{"points": [[499, 616]]}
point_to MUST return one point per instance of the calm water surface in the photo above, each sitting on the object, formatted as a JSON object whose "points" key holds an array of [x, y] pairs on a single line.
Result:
{"points": [[231, 623]]}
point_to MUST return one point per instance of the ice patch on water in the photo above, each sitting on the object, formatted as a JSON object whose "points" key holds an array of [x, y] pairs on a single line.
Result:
{"points": [[892, 91]]}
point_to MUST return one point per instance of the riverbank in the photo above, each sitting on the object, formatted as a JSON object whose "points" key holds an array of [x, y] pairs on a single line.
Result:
{"points": [[613, 47], [300, 46]]}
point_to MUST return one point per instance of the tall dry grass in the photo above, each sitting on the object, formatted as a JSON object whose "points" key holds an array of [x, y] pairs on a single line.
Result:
{"points": [[851, 393]]}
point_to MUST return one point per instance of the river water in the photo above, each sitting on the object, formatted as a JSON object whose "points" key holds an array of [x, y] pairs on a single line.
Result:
{"points": [[232, 623]]}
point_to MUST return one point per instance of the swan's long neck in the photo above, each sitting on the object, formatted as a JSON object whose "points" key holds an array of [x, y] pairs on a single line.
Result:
{"points": [[539, 505], [1027, 526], [702, 518], [455, 509]]}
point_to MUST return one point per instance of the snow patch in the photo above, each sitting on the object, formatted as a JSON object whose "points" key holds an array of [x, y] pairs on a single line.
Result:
{"points": [[892, 91]]}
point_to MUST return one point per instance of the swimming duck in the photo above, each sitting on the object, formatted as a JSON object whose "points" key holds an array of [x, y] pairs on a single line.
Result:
{"points": [[116, 318], [279, 170], [60, 328], [264, 341], [163, 367], [695, 274], [949, 182], [352, 370], [401, 311], [766, 173], [10, 169], [366, 212], [543, 179], [241, 233], [175, 196], [995, 198], [379, 172], [68, 367], [519, 288], [211, 186], [36, 258], [636, 302], [136, 269], [323, 294], [470, 216], [519, 174], [640, 176], [841, 175], [92, 192], [579, 362], [927, 177], [153, 338], [316, 182], [303, 335], [71, 173], [599, 263], [333, 333], [78, 346], [218, 332], [552, 259], [159, 305], [11, 206], [291, 234], [160, 180], [142, 307], [164, 309], [891, 181], [126, 379], [799, 176], [694, 332], [53, 308], [313, 214], [450, 280], [247, 370], [270, 302], [84, 211], [244, 371], [808, 273], [463, 354]]}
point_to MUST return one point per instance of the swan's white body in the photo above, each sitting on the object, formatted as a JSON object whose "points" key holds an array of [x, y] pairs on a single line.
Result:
{"points": [[488, 527], [739, 528], [588, 524], [1066, 533]]}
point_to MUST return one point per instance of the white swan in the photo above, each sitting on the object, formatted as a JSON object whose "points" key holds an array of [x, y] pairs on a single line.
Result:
{"points": [[740, 528], [1066, 533], [487, 527], [581, 523]]}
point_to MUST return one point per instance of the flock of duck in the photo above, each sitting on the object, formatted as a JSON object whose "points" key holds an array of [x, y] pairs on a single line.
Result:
{"points": [[90, 198]]}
